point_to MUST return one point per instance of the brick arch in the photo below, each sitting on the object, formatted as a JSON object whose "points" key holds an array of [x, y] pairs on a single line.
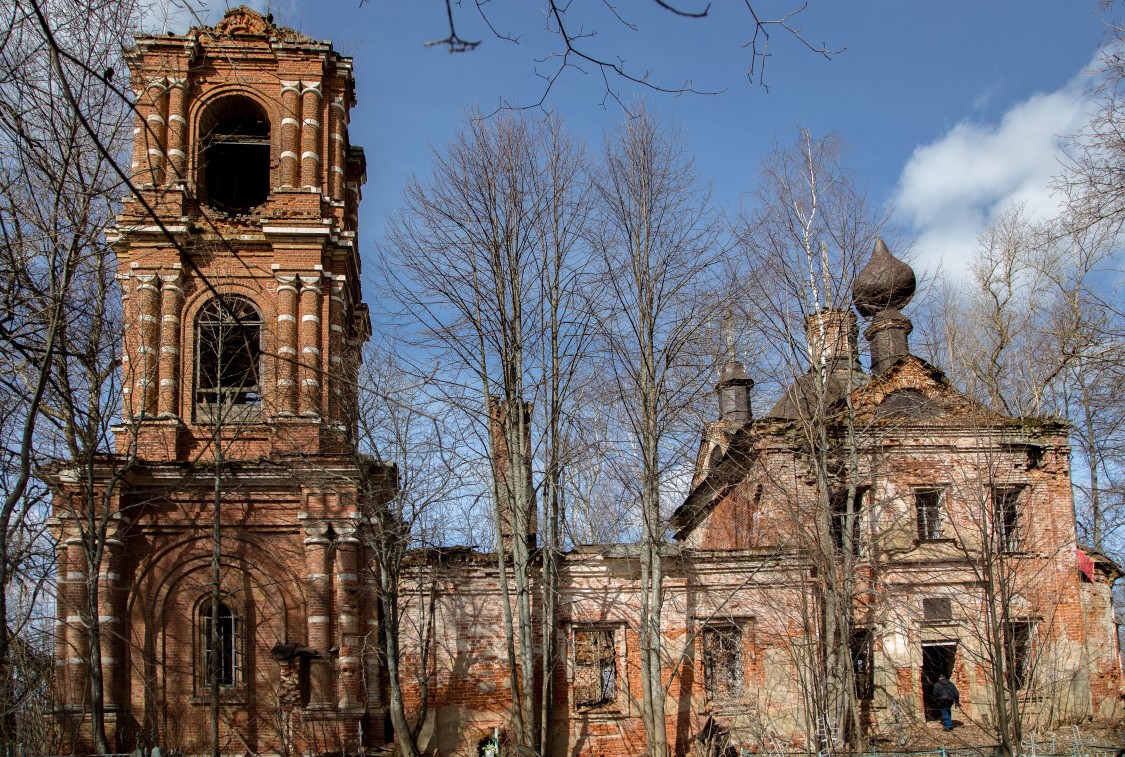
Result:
{"points": [[198, 108], [264, 564], [270, 598], [263, 298]]}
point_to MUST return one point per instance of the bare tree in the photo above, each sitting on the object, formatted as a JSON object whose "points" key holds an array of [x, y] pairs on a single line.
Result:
{"points": [[1034, 332], [805, 237], [58, 121], [1093, 181], [1087, 333], [1034, 335], [574, 44], [656, 243], [395, 427], [488, 270]]}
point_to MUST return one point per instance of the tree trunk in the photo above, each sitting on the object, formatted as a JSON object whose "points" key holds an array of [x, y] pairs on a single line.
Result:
{"points": [[216, 593]]}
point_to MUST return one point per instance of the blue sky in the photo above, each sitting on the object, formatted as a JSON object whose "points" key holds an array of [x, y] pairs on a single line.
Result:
{"points": [[950, 109]]}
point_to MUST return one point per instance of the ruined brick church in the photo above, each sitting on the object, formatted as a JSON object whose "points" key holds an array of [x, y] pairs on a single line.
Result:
{"points": [[240, 271]]}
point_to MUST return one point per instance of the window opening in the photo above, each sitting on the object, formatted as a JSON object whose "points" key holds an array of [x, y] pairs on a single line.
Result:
{"points": [[927, 503], [839, 524], [937, 609], [863, 663], [225, 655], [235, 158], [595, 667], [1006, 514], [1017, 652], [228, 335], [937, 660], [722, 662]]}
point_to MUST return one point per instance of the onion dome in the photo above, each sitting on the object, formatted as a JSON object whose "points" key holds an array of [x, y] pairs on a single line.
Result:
{"points": [[885, 283]]}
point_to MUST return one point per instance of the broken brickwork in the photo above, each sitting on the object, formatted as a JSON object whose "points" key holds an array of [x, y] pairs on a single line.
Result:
{"points": [[242, 150], [963, 520], [243, 324]]}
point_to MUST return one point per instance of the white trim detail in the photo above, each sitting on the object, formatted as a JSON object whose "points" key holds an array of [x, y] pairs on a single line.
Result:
{"points": [[318, 230]]}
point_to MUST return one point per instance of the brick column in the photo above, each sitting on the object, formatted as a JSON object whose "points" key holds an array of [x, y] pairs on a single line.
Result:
{"points": [[337, 369], [109, 615], [148, 329], [318, 600], [337, 145], [78, 651], [310, 346], [290, 133], [287, 345], [62, 609], [310, 135], [177, 130], [155, 131], [171, 305], [353, 205], [130, 406], [347, 617]]}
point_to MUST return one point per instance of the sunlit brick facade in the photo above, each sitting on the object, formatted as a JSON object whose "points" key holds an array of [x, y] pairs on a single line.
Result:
{"points": [[238, 263], [963, 558], [240, 273]]}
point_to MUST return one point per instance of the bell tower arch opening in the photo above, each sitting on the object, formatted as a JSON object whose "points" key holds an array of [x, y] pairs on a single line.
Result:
{"points": [[228, 355], [234, 154]]}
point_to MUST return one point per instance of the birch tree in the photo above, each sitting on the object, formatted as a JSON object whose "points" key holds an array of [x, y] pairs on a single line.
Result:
{"points": [[657, 247], [804, 237]]}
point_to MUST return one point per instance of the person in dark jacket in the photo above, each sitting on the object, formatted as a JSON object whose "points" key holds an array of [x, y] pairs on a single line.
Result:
{"points": [[945, 696]]}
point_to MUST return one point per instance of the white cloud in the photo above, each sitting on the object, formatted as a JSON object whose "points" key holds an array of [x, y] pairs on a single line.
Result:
{"points": [[950, 189]]}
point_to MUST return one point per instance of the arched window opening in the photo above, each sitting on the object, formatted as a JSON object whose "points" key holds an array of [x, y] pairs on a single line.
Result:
{"points": [[235, 159], [221, 650], [228, 338]]}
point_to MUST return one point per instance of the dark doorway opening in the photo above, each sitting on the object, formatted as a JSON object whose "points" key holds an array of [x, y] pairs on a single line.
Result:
{"points": [[937, 660]]}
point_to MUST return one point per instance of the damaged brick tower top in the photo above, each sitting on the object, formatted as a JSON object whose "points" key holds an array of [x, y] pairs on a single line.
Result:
{"points": [[244, 320]]}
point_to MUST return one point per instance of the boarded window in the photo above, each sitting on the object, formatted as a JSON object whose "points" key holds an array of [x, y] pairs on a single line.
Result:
{"points": [[863, 663], [595, 667], [927, 504], [1006, 515], [1017, 652], [937, 609], [722, 661]]}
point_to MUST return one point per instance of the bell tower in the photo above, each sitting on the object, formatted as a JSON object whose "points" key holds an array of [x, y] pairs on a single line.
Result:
{"points": [[243, 325], [237, 255]]}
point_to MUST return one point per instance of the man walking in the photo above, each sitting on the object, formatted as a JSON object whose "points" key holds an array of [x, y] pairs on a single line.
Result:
{"points": [[945, 696]]}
